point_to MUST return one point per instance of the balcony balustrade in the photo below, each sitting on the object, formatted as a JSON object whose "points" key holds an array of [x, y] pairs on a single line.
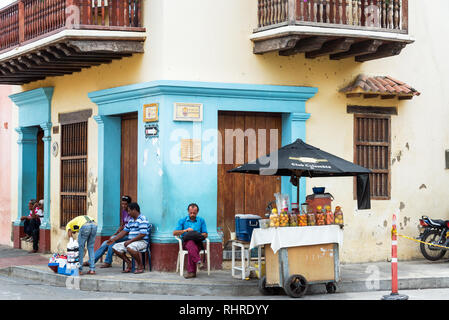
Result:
{"points": [[40, 38], [364, 29]]}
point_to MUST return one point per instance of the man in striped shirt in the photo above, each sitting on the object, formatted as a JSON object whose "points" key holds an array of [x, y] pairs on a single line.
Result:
{"points": [[137, 231]]}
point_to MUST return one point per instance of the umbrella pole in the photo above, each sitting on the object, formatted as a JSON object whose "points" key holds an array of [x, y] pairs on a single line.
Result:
{"points": [[298, 176], [297, 192]]}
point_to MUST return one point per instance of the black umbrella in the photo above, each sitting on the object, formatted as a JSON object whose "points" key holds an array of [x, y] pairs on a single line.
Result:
{"points": [[300, 159]]}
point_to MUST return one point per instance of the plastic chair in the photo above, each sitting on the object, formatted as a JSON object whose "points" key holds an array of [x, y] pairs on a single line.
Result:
{"points": [[145, 253], [182, 253]]}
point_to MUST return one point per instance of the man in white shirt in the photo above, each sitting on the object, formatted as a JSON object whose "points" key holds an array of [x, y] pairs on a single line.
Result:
{"points": [[40, 210]]}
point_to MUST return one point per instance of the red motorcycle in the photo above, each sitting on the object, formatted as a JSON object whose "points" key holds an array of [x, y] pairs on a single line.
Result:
{"points": [[434, 232]]}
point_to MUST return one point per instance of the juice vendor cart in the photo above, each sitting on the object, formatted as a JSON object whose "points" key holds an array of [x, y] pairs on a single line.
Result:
{"points": [[296, 257]]}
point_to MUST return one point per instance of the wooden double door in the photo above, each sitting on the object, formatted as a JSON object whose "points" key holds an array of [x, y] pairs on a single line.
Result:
{"points": [[245, 193]]}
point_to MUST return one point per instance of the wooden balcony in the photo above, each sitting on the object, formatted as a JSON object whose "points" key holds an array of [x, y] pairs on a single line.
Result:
{"points": [[360, 29], [41, 38]]}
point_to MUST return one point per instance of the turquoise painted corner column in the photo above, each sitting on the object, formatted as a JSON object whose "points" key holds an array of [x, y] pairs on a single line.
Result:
{"points": [[34, 113], [46, 126], [109, 137], [166, 183]]}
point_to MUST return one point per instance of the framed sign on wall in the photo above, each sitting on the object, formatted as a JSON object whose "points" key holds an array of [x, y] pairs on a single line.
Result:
{"points": [[188, 112], [190, 150], [151, 112]]}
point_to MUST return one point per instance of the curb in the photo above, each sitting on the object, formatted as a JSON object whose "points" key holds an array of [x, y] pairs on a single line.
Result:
{"points": [[134, 286], [174, 287]]}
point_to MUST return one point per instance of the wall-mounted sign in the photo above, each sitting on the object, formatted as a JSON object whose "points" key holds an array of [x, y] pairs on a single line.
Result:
{"points": [[54, 149], [190, 149], [188, 112], [151, 112], [151, 131]]}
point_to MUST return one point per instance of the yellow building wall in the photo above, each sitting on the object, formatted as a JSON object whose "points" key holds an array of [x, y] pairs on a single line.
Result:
{"points": [[209, 40]]}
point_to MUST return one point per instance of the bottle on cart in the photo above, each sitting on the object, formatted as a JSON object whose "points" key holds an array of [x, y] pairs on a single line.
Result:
{"points": [[329, 216], [338, 216], [274, 218]]}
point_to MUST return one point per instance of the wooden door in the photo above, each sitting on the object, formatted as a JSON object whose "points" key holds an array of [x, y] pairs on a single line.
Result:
{"points": [[128, 175], [40, 166], [244, 193]]}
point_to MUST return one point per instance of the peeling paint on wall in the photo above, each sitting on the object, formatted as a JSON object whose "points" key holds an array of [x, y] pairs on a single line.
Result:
{"points": [[401, 205], [145, 157], [92, 188], [399, 154], [406, 220]]}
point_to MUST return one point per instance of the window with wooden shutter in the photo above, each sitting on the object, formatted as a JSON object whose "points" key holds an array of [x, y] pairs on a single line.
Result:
{"points": [[372, 151], [73, 171]]}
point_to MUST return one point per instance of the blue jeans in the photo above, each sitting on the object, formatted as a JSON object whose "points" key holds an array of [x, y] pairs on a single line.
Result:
{"points": [[104, 247], [87, 236]]}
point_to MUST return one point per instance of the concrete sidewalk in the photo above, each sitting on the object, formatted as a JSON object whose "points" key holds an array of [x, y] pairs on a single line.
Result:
{"points": [[418, 274]]}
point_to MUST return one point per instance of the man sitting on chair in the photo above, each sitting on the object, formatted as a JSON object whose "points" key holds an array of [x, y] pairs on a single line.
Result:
{"points": [[137, 231], [191, 223]]}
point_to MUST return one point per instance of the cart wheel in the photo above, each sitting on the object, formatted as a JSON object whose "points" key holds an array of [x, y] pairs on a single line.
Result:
{"points": [[267, 291], [331, 287], [296, 286]]}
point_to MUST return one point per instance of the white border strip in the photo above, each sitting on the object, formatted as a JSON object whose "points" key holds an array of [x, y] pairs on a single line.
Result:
{"points": [[342, 32], [73, 34]]}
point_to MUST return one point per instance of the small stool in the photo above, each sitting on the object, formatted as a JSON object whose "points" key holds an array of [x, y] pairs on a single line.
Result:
{"points": [[245, 259]]}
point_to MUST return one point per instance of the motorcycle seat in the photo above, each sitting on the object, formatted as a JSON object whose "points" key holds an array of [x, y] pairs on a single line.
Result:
{"points": [[439, 222]]}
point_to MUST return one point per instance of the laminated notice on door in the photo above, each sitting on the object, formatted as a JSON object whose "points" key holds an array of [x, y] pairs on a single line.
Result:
{"points": [[190, 150]]}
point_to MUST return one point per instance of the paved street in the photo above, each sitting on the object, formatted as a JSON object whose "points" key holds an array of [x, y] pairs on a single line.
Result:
{"points": [[19, 289]]}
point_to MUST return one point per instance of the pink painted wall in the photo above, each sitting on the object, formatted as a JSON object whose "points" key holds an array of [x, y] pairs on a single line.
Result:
{"points": [[5, 164]]}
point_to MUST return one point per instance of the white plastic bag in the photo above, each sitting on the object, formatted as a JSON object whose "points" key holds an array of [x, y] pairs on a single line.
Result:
{"points": [[282, 202]]}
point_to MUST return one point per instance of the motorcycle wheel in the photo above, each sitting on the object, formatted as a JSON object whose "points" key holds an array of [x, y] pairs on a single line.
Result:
{"points": [[430, 252]]}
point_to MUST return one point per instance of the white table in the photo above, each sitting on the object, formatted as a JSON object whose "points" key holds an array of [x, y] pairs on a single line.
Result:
{"points": [[285, 237]]}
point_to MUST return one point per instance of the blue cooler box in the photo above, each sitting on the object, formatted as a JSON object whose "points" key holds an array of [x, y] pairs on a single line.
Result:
{"points": [[245, 224], [62, 270]]}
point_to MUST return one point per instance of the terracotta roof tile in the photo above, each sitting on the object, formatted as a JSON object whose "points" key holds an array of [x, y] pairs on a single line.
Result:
{"points": [[382, 81], [391, 83], [394, 80], [380, 85], [405, 89]]}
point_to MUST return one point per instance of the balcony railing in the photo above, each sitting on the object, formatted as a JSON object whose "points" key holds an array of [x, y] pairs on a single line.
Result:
{"points": [[380, 15], [27, 20], [45, 38], [362, 29]]}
